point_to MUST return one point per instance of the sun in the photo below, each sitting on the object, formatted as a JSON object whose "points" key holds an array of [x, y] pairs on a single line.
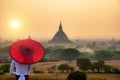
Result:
{"points": [[15, 24]]}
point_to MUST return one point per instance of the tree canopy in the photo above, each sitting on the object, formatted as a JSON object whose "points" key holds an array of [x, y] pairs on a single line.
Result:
{"points": [[70, 54], [83, 64], [103, 55]]}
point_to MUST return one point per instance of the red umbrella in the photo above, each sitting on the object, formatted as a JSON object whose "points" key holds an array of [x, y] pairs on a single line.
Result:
{"points": [[27, 51]]}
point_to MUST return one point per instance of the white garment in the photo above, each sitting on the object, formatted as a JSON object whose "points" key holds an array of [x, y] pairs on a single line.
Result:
{"points": [[21, 69]]}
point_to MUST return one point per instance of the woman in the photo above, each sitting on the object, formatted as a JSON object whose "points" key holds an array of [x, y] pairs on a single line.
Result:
{"points": [[20, 71], [25, 52]]}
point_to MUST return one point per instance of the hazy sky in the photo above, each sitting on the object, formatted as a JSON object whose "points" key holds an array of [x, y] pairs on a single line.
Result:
{"points": [[83, 19]]}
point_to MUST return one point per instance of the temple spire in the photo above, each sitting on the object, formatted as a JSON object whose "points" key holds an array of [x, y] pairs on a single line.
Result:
{"points": [[60, 26], [29, 37]]}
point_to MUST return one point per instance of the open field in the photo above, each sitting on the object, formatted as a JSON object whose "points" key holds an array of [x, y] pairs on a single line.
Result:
{"points": [[43, 67], [61, 76]]}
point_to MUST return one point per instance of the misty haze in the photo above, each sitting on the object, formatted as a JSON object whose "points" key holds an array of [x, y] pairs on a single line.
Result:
{"points": [[77, 35]]}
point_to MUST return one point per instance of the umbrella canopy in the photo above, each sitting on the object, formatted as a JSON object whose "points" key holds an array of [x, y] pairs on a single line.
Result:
{"points": [[27, 51]]}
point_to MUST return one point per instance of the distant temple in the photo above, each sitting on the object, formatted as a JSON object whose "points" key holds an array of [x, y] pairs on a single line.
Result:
{"points": [[29, 37], [60, 36]]}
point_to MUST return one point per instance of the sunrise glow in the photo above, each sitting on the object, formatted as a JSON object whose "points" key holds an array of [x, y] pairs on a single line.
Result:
{"points": [[15, 24]]}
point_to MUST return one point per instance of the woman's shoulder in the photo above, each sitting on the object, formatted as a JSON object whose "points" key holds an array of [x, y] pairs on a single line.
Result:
{"points": [[13, 61]]}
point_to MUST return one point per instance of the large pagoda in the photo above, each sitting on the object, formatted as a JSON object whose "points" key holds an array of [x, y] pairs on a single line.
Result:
{"points": [[60, 36]]}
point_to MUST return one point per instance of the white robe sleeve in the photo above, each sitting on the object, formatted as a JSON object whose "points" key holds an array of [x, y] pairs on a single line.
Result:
{"points": [[30, 70], [12, 68]]}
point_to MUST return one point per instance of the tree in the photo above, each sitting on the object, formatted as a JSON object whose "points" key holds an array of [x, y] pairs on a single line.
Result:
{"points": [[47, 50], [4, 68], [116, 70], [103, 55], [116, 55], [98, 66], [64, 67], [101, 67], [70, 54], [71, 69], [84, 64], [52, 69], [5, 49], [53, 54], [107, 69], [56, 54]]}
